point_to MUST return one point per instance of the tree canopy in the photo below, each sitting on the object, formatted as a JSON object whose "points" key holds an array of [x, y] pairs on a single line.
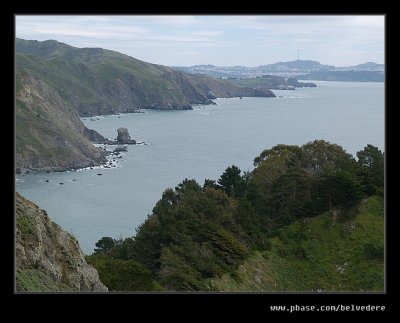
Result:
{"points": [[198, 232]]}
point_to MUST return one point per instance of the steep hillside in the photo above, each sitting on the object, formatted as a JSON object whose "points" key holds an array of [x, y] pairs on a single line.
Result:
{"points": [[330, 252], [48, 258], [98, 81], [49, 133]]}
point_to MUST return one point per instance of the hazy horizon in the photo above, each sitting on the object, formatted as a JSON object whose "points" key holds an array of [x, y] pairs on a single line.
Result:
{"points": [[218, 40]]}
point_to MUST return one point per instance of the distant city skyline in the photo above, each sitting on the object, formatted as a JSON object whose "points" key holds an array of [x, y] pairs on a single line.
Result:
{"points": [[226, 40]]}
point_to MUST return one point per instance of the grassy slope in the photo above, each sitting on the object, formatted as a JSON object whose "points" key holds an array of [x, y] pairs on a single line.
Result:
{"points": [[35, 280], [99, 81], [318, 254]]}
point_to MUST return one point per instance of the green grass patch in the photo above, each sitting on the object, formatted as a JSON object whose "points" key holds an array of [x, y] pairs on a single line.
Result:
{"points": [[318, 254], [34, 280]]}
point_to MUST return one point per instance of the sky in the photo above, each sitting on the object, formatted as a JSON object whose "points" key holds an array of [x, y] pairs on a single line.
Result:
{"points": [[227, 40]]}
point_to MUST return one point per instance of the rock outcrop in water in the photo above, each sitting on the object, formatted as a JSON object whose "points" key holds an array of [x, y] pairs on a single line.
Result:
{"points": [[47, 257], [124, 137]]}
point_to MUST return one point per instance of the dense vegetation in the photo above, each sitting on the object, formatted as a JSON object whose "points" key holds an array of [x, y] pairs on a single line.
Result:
{"points": [[197, 234], [329, 252]]}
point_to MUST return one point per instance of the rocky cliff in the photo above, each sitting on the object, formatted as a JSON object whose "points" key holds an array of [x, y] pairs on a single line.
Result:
{"points": [[47, 257], [49, 133]]}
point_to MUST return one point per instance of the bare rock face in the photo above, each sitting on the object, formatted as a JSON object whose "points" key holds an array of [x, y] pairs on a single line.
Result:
{"points": [[47, 257], [49, 134], [124, 137]]}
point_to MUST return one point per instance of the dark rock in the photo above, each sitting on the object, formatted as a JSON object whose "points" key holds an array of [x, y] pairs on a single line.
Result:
{"points": [[47, 180], [304, 84], [293, 82], [119, 149], [211, 95], [94, 136], [124, 137], [61, 183], [99, 174]]}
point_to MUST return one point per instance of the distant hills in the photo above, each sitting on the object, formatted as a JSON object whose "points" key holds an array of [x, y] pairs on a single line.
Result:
{"points": [[99, 81], [302, 69], [369, 67], [298, 65]]}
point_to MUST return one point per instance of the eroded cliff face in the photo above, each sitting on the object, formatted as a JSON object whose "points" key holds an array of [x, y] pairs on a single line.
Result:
{"points": [[47, 257], [49, 134]]}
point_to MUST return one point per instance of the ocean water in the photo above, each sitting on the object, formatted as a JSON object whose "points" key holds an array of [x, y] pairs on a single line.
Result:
{"points": [[200, 144]]}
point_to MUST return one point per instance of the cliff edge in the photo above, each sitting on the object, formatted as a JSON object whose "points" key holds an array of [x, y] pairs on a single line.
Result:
{"points": [[49, 259]]}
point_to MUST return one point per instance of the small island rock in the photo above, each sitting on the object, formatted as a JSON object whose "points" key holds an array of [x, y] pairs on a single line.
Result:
{"points": [[124, 137]]}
